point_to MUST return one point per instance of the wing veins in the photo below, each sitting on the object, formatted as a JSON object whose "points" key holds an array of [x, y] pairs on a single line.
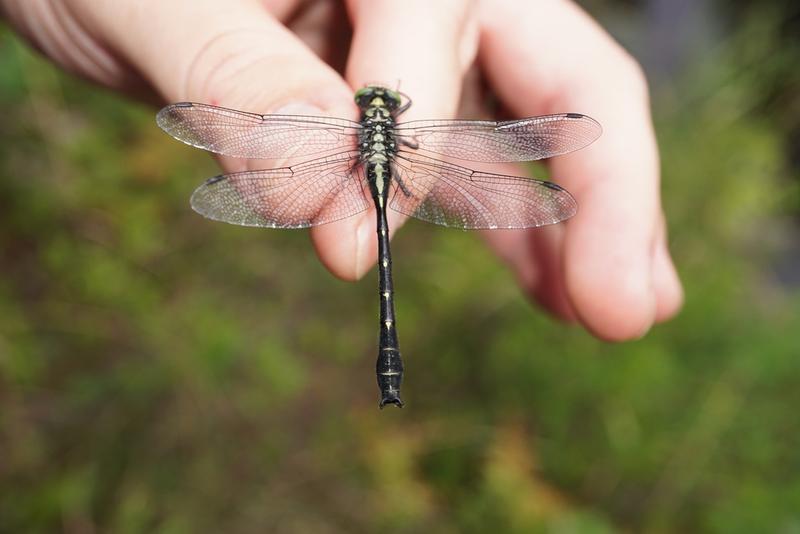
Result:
{"points": [[542, 202], [492, 141], [277, 197]]}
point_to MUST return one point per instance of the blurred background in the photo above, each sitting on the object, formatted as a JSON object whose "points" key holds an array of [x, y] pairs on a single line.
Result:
{"points": [[162, 373]]}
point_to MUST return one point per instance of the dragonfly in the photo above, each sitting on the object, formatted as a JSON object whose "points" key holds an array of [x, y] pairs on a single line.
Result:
{"points": [[341, 168]]}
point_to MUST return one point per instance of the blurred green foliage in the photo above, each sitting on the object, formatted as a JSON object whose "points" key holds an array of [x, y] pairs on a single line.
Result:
{"points": [[159, 372]]}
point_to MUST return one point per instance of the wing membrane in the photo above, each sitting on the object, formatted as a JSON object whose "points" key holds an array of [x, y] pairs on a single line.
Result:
{"points": [[250, 135], [308, 194], [489, 141], [457, 197]]}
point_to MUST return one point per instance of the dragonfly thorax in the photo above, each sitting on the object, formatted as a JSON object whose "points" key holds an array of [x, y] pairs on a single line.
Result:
{"points": [[378, 106]]}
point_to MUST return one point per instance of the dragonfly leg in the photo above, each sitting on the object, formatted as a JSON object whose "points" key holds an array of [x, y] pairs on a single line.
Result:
{"points": [[400, 182], [409, 143], [404, 107]]}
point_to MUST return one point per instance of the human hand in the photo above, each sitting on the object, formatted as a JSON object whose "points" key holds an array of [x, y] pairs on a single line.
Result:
{"points": [[607, 267]]}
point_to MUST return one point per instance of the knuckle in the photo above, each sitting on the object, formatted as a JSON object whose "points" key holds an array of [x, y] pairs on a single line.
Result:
{"points": [[203, 65], [219, 61]]}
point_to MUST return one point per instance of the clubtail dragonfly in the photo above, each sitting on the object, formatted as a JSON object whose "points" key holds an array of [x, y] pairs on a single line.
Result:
{"points": [[405, 166]]}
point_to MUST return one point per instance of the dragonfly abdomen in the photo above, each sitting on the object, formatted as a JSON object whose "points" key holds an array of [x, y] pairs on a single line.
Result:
{"points": [[389, 366]]}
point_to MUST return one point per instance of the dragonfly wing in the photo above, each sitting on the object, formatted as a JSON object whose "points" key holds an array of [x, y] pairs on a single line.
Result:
{"points": [[308, 194], [250, 135], [457, 197], [518, 140]]}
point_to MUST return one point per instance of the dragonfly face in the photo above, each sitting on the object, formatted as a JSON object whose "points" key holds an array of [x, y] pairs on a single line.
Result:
{"points": [[345, 167], [375, 95]]}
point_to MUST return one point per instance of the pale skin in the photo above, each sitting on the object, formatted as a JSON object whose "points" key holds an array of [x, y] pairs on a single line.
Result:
{"points": [[608, 268]]}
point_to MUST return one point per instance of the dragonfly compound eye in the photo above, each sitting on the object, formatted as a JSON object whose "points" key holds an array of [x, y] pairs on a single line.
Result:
{"points": [[364, 96]]}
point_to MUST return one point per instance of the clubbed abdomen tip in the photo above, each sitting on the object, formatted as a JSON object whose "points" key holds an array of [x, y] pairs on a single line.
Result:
{"points": [[391, 400]]}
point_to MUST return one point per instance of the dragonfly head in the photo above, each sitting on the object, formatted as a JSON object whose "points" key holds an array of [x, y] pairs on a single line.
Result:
{"points": [[375, 95]]}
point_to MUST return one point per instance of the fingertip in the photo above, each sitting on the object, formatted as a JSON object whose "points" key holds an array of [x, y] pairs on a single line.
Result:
{"points": [[614, 299], [347, 248], [627, 316]]}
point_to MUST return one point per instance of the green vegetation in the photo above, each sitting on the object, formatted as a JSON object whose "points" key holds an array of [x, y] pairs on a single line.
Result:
{"points": [[159, 372]]}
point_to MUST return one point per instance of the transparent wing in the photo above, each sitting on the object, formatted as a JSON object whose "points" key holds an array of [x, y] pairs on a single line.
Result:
{"points": [[489, 141], [250, 135], [308, 194], [457, 197]]}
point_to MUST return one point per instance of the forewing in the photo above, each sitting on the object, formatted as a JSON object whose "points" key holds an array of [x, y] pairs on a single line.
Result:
{"points": [[457, 197], [250, 135], [518, 140], [308, 194]]}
